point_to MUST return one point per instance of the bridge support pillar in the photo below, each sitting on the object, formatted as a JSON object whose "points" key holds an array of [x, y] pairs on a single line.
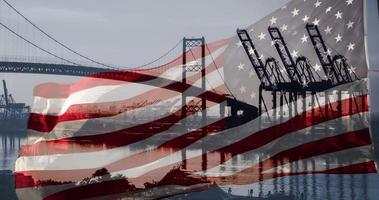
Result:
{"points": [[195, 66]]}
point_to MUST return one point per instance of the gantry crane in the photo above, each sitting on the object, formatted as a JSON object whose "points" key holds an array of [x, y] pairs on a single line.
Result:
{"points": [[300, 72], [335, 68], [268, 72]]}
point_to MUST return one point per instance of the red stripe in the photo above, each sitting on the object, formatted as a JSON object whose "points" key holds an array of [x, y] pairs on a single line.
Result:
{"points": [[145, 157], [315, 148], [114, 78], [265, 136], [106, 140], [45, 123], [157, 174], [254, 141], [293, 124], [359, 168], [167, 148], [323, 146], [116, 186]]}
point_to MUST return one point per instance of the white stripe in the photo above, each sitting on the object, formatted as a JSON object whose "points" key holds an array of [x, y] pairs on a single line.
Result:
{"points": [[99, 94], [278, 145], [342, 125], [283, 143], [335, 160], [223, 138], [108, 93], [103, 157], [69, 128], [121, 121]]}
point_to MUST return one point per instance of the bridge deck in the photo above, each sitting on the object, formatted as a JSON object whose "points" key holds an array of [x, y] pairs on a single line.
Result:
{"points": [[46, 68]]}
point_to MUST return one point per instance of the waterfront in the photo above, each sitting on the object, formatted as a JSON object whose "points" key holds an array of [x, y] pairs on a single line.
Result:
{"points": [[321, 186]]}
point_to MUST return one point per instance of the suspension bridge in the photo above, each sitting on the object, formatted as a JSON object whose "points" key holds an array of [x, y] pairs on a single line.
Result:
{"points": [[27, 48]]}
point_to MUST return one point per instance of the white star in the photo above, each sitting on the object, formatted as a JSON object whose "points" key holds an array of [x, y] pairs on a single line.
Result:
{"points": [[273, 20], [241, 67], [349, 2], [328, 9], [242, 89], [316, 22], [295, 12], [328, 30], [317, 67], [253, 95], [351, 69], [338, 15], [305, 83], [318, 3], [350, 24], [305, 19], [304, 38], [338, 38], [329, 52], [350, 46], [284, 27], [294, 54], [251, 51], [239, 44], [239, 112], [262, 36]]}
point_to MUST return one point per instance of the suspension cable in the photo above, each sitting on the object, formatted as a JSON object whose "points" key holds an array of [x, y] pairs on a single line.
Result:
{"points": [[79, 54], [218, 71], [38, 47], [206, 79], [160, 57], [55, 40]]}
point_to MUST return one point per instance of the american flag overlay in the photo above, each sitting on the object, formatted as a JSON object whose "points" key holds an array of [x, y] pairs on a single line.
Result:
{"points": [[282, 97]]}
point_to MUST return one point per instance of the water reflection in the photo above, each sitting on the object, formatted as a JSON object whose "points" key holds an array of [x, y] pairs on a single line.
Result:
{"points": [[303, 186], [9, 147], [309, 186]]}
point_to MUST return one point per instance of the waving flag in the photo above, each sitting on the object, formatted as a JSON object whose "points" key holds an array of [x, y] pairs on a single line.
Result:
{"points": [[143, 133]]}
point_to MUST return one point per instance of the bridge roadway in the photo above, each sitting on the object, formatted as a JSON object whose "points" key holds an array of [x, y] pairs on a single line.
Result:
{"points": [[47, 68]]}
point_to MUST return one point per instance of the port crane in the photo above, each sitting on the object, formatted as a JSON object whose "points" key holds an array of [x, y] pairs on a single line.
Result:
{"points": [[297, 77], [11, 111]]}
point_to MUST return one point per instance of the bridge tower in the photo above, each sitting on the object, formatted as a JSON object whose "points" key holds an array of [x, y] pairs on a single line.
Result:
{"points": [[194, 67]]}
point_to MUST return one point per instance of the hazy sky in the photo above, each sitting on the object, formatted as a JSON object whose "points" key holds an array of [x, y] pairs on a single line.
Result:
{"points": [[131, 33]]}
